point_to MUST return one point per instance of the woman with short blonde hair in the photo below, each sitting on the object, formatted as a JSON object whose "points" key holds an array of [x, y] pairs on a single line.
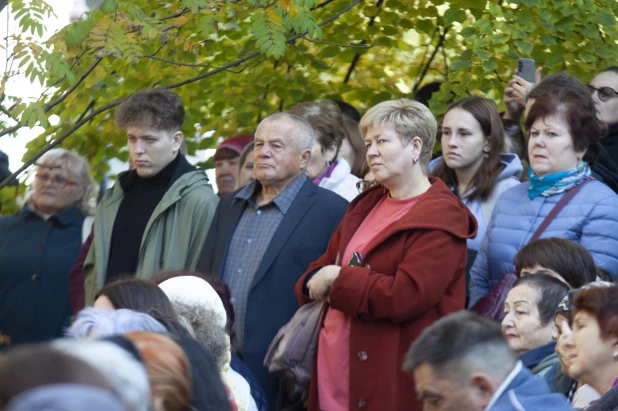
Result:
{"points": [[39, 246], [394, 266]]}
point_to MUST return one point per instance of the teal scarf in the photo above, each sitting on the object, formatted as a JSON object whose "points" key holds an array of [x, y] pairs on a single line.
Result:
{"points": [[557, 183]]}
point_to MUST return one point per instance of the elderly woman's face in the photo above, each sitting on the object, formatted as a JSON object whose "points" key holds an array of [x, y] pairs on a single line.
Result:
{"points": [[591, 354], [54, 190], [550, 146], [388, 159], [565, 344], [522, 321]]}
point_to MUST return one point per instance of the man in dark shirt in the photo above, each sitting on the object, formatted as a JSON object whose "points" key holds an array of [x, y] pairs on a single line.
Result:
{"points": [[157, 215]]}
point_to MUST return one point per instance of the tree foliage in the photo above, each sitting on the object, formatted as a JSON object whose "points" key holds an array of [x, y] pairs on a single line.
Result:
{"points": [[235, 61]]}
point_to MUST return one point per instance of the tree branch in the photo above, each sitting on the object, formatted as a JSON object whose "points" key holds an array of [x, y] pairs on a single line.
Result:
{"points": [[188, 64], [319, 63], [358, 55], [113, 104], [433, 55], [323, 4], [60, 99], [350, 46]]}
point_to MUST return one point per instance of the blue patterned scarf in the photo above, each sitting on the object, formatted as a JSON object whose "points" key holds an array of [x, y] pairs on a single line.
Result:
{"points": [[557, 183]]}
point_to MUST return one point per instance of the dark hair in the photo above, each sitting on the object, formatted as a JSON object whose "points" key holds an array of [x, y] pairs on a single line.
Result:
{"points": [[158, 108], [138, 295], [423, 94], [602, 304], [572, 261], [353, 135], [551, 293], [453, 338], [556, 81], [348, 110], [32, 366], [219, 286], [326, 120], [578, 111], [486, 114], [245, 152]]}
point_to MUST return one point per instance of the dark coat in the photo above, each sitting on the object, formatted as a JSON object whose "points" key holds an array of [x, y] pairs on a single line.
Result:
{"points": [[301, 238], [412, 274], [610, 141], [35, 259]]}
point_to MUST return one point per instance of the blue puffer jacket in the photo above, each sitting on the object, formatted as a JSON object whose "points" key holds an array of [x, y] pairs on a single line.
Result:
{"points": [[590, 219]]}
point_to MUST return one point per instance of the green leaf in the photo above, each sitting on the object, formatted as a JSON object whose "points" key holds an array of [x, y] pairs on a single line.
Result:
{"points": [[461, 64], [547, 39], [495, 10], [426, 26], [467, 31], [525, 47], [452, 15], [606, 19], [555, 59], [483, 54], [109, 6], [490, 65]]}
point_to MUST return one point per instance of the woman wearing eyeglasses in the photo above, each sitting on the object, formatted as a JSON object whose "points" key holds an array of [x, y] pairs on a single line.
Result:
{"points": [[604, 89], [39, 246]]}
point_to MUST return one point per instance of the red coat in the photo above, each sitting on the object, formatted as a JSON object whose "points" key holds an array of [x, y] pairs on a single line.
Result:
{"points": [[412, 275]]}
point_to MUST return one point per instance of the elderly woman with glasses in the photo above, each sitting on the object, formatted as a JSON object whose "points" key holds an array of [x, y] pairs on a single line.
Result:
{"points": [[39, 246], [395, 265]]}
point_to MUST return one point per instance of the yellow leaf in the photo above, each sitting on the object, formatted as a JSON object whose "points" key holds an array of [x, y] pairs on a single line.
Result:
{"points": [[181, 20], [274, 17]]}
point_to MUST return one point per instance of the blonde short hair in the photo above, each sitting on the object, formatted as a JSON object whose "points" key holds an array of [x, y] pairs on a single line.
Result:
{"points": [[78, 170], [409, 119]]}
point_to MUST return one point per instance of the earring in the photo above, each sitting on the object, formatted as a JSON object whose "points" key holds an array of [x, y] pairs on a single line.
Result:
{"points": [[485, 154], [615, 356], [415, 159]]}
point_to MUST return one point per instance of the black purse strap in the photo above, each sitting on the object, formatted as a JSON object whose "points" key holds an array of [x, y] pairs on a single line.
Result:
{"points": [[566, 198]]}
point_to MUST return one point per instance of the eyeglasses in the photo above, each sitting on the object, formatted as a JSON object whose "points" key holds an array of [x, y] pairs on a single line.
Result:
{"points": [[605, 93], [363, 185], [56, 180]]}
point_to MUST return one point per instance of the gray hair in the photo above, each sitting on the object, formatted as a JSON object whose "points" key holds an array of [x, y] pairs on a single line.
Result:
{"points": [[461, 343], [207, 331], [303, 132], [94, 322], [78, 169], [124, 372]]}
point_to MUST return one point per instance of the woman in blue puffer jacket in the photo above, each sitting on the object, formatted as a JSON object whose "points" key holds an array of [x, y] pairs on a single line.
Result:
{"points": [[563, 140]]}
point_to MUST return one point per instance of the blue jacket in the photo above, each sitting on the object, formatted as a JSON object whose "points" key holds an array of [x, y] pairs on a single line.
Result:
{"points": [[590, 219], [35, 259], [530, 393], [510, 174], [300, 239]]}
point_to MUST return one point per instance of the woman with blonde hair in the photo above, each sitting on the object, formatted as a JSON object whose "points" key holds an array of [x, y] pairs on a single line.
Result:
{"points": [[39, 245], [395, 265]]}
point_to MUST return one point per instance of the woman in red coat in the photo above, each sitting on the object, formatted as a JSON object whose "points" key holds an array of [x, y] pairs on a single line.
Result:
{"points": [[395, 265]]}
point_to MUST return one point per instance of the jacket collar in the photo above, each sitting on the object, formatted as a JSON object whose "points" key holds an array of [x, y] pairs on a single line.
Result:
{"points": [[128, 178], [505, 384], [63, 219], [534, 357]]}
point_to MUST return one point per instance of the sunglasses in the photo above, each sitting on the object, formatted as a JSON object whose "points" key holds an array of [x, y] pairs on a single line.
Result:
{"points": [[605, 93], [363, 185], [44, 177]]}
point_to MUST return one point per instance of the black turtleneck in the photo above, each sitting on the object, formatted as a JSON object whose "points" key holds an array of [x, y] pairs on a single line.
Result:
{"points": [[141, 197], [610, 141]]}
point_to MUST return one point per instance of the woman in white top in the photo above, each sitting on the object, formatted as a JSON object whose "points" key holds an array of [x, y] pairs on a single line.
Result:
{"points": [[326, 168]]}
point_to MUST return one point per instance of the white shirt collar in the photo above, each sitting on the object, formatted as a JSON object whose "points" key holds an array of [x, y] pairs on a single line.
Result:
{"points": [[509, 379]]}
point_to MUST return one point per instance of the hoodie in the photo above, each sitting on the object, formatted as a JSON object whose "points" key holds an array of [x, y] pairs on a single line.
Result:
{"points": [[523, 390], [510, 176]]}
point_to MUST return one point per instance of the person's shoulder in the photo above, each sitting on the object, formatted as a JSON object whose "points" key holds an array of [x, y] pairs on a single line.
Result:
{"points": [[597, 191], [328, 197]]}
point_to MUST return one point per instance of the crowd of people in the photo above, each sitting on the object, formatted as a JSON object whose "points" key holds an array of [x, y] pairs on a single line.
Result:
{"points": [[381, 275]]}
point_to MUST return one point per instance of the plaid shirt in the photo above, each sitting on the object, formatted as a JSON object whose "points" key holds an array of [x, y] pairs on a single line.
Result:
{"points": [[250, 240]]}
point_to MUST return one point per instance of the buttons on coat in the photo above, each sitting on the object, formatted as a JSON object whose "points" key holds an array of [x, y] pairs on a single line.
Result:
{"points": [[34, 277], [362, 404], [362, 356]]}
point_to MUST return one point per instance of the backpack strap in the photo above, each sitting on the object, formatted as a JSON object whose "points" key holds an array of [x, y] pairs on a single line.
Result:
{"points": [[566, 198]]}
